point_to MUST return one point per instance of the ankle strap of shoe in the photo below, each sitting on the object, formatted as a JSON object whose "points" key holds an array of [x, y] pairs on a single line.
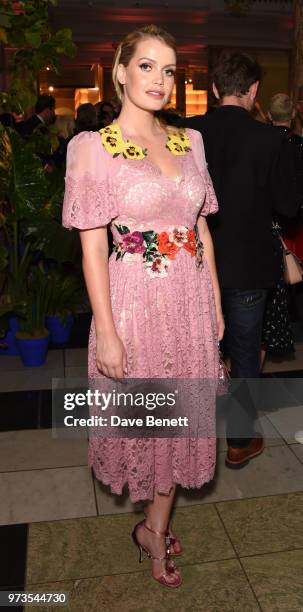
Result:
{"points": [[153, 531]]}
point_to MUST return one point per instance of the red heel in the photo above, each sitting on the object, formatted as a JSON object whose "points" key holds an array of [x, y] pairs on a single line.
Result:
{"points": [[170, 566], [136, 542]]}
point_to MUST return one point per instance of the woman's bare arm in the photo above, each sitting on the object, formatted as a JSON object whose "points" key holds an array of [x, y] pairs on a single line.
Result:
{"points": [[111, 355], [209, 254]]}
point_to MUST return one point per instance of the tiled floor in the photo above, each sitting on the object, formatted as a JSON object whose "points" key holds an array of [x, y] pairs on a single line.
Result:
{"points": [[238, 555], [61, 530]]}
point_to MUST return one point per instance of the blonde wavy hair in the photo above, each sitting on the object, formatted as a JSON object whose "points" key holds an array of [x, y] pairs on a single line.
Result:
{"points": [[281, 107], [127, 48]]}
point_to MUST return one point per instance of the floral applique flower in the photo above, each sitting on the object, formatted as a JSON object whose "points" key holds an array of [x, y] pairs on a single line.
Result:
{"points": [[190, 245], [158, 266], [178, 142], [178, 235], [133, 152], [133, 242], [167, 247], [114, 144], [112, 140], [199, 248]]}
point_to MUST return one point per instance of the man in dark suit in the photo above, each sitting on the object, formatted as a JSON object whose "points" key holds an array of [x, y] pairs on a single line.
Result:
{"points": [[252, 172], [44, 115]]}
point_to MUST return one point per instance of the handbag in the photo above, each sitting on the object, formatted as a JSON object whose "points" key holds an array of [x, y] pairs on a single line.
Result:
{"points": [[223, 377], [293, 272]]}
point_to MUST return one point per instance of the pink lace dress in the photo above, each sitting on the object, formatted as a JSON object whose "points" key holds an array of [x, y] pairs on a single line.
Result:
{"points": [[164, 311]]}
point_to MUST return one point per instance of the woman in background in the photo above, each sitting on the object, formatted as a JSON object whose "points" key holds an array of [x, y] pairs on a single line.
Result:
{"points": [[277, 330]]}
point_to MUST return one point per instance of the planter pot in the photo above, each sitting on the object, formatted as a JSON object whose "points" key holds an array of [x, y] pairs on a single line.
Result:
{"points": [[33, 351], [9, 340], [60, 331], [14, 324]]}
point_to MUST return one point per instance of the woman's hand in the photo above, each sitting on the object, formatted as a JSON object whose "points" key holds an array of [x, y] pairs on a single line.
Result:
{"points": [[220, 323], [111, 356]]}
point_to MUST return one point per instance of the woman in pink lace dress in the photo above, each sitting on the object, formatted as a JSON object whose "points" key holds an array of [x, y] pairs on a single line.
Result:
{"points": [[156, 314]]}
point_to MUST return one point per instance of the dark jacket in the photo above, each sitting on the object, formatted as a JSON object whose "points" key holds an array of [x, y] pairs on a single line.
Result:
{"points": [[26, 128], [251, 168], [295, 144]]}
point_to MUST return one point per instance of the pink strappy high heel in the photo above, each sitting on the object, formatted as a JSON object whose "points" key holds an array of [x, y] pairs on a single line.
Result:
{"points": [[171, 541], [170, 566]]}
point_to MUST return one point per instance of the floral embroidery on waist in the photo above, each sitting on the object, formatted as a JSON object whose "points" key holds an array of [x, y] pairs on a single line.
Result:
{"points": [[157, 250]]}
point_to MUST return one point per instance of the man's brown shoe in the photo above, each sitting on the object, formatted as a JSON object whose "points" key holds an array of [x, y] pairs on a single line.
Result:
{"points": [[239, 457]]}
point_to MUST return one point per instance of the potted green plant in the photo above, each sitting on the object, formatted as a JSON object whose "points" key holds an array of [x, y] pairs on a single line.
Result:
{"points": [[30, 223], [32, 338], [30, 201], [7, 340], [66, 296]]}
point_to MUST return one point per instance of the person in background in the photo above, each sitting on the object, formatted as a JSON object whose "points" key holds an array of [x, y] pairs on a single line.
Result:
{"points": [[105, 113], [251, 168], [7, 119], [44, 115], [65, 127], [281, 114], [171, 117], [297, 124], [258, 113], [277, 337], [86, 119]]}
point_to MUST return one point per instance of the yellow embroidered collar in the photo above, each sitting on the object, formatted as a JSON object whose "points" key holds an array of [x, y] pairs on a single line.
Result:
{"points": [[112, 139]]}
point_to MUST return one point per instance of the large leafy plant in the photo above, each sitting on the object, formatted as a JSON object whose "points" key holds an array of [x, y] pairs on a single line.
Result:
{"points": [[66, 294], [30, 219], [30, 200], [32, 321], [25, 27]]}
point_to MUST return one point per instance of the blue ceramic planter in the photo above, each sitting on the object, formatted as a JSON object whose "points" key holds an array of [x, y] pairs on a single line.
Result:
{"points": [[33, 351], [60, 331]]}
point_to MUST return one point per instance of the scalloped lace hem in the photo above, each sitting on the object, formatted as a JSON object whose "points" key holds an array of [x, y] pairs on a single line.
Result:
{"points": [[162, 490]]}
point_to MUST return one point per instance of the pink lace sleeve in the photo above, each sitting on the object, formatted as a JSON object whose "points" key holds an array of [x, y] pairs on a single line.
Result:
{"points": [[210, 205], [88, 200]]}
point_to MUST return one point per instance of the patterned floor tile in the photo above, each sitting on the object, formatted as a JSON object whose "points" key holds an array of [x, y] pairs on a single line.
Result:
{"points": [[287, 421], [264, 524], [38, 449], [275, 472], [75, 357], [298, 450], [277, 580], [43, 495]]}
